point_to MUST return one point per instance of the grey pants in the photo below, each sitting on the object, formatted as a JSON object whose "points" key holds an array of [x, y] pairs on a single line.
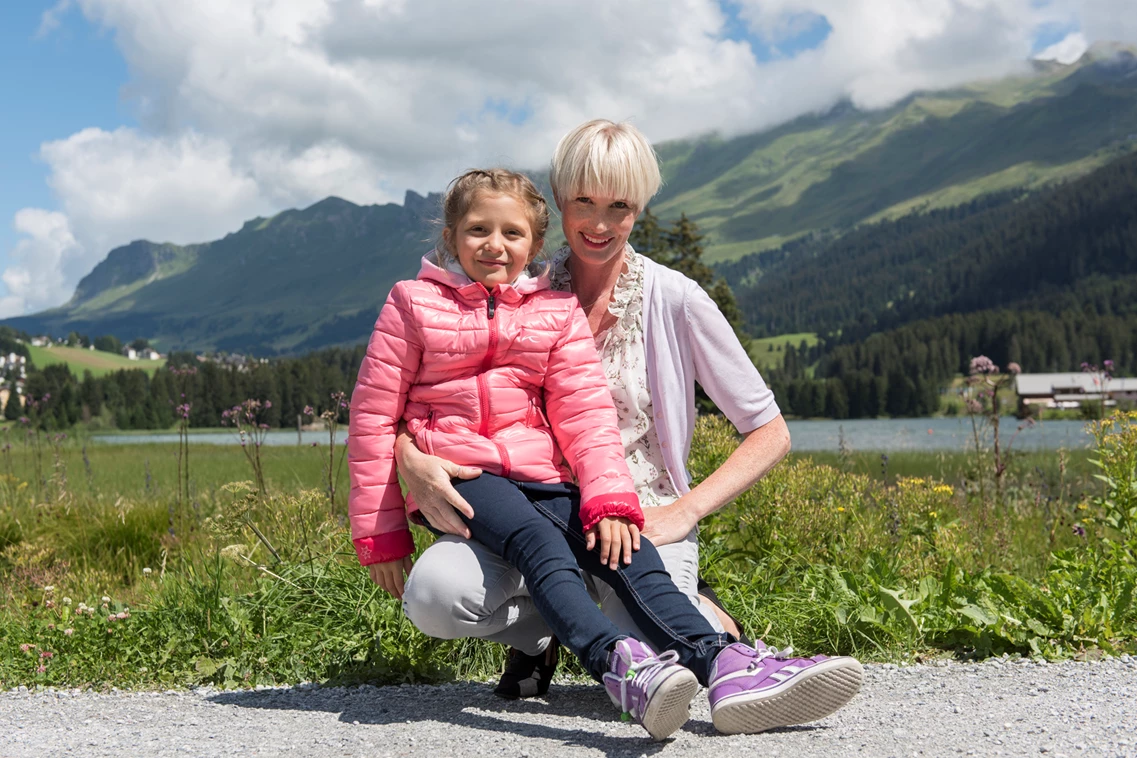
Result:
{"points": [[459, 589]]}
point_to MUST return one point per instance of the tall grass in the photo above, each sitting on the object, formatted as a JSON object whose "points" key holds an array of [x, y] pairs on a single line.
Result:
{"points": [[109, 578]]}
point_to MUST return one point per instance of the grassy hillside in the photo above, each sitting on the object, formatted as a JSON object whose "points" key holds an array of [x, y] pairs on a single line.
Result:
{"points": [[1072, 246], [770, 352], [96, 361], [754, 192]]}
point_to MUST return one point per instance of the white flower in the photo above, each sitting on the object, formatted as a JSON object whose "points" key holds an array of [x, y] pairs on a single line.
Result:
{"points": [[147, 570], [49, 588], [106, 599], [66, 601]]}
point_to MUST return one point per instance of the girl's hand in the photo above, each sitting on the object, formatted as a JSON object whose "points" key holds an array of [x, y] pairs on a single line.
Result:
{"points": [[617, 536], [428, 479], [390, 575], [667, 523]]}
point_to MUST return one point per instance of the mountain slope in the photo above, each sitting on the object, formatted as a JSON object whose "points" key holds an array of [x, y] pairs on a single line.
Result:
{"points": [[316, 277], [1074, 245], [300, 280], [932, 150]]}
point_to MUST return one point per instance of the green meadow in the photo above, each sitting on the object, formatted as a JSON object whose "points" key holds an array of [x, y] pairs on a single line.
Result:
{"points": [[110, 575]]}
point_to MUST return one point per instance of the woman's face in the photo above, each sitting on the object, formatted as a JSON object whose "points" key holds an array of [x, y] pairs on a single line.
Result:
{"points": [[597, 227]]}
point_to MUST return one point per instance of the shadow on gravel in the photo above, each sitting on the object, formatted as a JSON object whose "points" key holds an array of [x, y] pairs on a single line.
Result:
{"points": [[467, 707]]}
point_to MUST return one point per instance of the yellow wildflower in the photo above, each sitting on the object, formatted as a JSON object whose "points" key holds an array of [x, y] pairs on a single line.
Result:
{"points": [[932, 514], [840, 509]]}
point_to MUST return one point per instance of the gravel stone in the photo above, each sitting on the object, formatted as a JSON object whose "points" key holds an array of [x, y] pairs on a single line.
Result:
{"points": [[1066, 708]]}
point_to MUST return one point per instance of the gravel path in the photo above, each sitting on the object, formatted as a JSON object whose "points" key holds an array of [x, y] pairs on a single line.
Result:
{"points": [[994, 708]]}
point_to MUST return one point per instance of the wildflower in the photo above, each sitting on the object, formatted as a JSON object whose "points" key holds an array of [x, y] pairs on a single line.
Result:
{"points": [[49, 588], [106, 599], [147, 570], [46, 654], [1082, 506], [26, 647], [66, 601], [974, 406], [41, 669], [840, 509], [1079, 530], [932, 514], [981, 364], [69, 631], [49, 604], [122, 615], [112, 618], [309, 410], [1014, 368]]}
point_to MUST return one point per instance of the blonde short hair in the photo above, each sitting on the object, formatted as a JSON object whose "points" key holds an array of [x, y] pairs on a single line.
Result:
{"points": [[608, 159]]}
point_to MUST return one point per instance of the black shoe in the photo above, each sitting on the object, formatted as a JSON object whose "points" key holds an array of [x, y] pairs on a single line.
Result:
{"points": [[708, 592], [528, 675]]}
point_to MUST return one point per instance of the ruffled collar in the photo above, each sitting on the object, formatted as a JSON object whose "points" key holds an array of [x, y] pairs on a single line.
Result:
{"points": [[624, 305]]}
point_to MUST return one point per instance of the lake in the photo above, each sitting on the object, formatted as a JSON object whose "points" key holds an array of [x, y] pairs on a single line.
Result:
{"points": [[882, 435]]}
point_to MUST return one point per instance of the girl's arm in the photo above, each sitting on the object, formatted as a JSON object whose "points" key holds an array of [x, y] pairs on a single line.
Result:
{"points": [[376, 508], [580, 411], [725, 371]]}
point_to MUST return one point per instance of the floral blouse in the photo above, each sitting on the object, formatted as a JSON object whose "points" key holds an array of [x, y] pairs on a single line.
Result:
{"points": [[623, 355]]}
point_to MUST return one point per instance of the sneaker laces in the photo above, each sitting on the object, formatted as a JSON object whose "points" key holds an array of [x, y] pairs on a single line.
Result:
{"points": [[771, 652], [649, 668]]}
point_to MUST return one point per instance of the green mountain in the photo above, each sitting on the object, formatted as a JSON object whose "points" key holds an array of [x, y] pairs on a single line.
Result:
{"points": [[298, 281], [939, 149], [316, 277]]}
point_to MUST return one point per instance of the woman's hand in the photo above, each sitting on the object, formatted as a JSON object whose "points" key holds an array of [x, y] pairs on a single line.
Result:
{"points": [[617, 535], [428, 479], [390, 575], [666, 524]]}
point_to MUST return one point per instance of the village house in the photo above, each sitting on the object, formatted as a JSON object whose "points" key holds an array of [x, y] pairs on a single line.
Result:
{"points": [[1071, 390]]}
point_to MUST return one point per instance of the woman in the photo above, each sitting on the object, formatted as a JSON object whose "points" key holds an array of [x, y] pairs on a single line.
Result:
{"points": [[658, 333]]}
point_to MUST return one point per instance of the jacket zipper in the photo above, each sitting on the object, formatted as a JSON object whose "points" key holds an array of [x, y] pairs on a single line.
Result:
{"points": [[483, 384]]}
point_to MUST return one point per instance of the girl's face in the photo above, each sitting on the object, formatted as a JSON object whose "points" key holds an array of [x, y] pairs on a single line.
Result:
{"points": [[494, 241], [597, 227]]}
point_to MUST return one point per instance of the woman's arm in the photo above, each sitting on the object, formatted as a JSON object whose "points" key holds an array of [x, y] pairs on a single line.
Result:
{"points": [[427, 478], [759, 452], [723, 368]]}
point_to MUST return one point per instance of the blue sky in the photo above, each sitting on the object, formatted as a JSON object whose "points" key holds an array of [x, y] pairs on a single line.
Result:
{"points": [[52, 86]]}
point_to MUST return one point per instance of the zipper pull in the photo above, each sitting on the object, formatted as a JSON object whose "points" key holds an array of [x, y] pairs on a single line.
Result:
{"points": [[490, 306]]}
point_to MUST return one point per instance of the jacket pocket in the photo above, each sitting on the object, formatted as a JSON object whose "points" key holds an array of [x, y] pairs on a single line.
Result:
{"points": [[428, 434]]}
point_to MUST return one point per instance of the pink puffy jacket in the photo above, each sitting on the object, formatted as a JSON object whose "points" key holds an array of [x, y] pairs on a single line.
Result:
{"points": [[508, 381]]}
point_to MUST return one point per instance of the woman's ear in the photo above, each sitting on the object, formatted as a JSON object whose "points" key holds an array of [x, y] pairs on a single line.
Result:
{"points": [[446, 235]]}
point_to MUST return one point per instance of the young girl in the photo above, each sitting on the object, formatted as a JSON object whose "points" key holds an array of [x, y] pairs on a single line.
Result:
{"points": [[492, 369]]}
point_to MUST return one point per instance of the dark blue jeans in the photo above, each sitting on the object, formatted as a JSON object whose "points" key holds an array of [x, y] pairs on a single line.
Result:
{"points": [[537, 529]]}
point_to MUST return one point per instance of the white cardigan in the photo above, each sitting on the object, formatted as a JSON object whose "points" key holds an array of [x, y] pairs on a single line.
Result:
{"points": [[688, 340]]}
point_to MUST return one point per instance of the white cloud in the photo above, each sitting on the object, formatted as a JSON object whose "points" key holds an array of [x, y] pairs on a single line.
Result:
{"points": [[249, 106], [1067, 50], [34, 276]]}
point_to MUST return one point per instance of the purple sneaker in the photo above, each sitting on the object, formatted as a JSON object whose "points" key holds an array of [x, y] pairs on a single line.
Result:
{"points": [[651, 690], [753, 690]]}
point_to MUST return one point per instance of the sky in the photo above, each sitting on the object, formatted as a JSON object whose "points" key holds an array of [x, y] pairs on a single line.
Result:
{"points": [[177, 121]]}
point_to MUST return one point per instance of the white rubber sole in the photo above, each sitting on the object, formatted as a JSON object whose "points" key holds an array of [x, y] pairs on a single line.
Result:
{"points": [[670, 707], [813, 694]]}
